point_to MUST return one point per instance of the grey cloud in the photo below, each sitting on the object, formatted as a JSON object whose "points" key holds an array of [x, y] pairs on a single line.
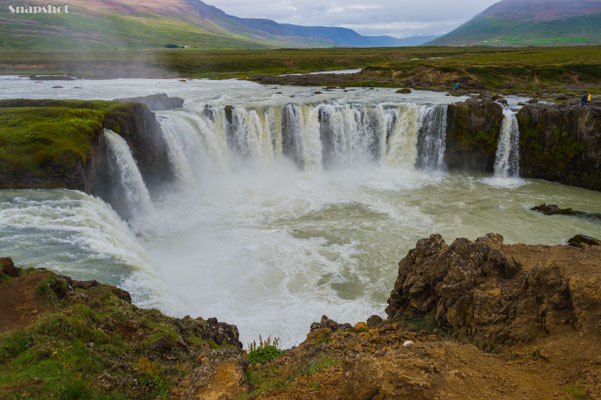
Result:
{"points": [[400, 18]]}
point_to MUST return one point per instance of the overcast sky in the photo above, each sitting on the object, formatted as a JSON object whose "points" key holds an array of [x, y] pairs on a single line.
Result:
{"points": [[400, 18]]}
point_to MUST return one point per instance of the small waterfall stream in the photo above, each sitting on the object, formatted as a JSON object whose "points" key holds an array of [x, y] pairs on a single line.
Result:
{"points": [[432, 137], [131, 181], [507, 161]]}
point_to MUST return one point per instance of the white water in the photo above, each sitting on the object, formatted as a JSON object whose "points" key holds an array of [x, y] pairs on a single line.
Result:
{"points": [[131, 180], [251, 238], [507, 161]]}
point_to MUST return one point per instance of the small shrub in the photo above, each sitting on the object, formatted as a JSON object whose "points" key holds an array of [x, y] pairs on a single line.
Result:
{"points": [[576, 392], [426, 323], [265, 351]]}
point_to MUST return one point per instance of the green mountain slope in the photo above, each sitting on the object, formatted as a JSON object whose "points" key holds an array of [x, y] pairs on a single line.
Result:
{"points": [[531, 23], [138, 24]]}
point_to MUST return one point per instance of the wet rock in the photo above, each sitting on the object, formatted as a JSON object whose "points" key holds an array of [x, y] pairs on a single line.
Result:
{"points": [[553, 209], [220, 377], [157, 102], [581, 240], [404, 91], [532, 101], [7, 267]]}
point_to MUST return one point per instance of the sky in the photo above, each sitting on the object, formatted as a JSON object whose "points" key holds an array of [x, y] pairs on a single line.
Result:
{"points": [[399, 18]]}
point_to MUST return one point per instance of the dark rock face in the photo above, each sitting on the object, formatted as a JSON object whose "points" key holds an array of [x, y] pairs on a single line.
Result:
{"points": [[581, 240], [561, 143], [157, 102], [472, 134], [8, 268], [553, 209], [477, 291]]}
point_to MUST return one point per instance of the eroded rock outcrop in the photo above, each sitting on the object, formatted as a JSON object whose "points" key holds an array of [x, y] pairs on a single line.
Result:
{"points": [[483, 289]]}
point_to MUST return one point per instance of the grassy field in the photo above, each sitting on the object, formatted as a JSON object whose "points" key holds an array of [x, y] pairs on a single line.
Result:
{"points": [[524, 69]]}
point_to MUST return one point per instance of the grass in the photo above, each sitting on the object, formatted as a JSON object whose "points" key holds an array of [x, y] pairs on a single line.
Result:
{"points": [[264, 351], [62, 354], [504, 69]]}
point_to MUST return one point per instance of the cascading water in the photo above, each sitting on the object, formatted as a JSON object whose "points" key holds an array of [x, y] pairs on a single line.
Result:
{"points": [[313, 137], [432, 137], [131, 181], [507, 161]]}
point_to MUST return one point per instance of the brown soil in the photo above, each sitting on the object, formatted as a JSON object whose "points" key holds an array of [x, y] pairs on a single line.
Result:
{"points": [[584, 263], [18, 305]]}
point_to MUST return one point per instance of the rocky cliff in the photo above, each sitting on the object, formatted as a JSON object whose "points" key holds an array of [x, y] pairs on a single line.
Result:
{"points": [[561, 143]]}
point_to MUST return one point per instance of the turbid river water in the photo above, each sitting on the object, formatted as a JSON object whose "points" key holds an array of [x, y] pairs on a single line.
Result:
{"points": [[286, 206]]}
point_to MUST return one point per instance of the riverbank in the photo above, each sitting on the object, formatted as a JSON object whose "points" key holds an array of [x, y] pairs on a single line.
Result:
{"points": [[517, 321], [540, 72]]}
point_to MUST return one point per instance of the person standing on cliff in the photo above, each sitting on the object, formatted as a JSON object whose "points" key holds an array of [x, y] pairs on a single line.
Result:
{"points": [[456, 86], [588, 99], [583, 101]]}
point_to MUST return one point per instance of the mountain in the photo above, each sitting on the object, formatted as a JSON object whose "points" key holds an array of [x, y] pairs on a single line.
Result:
{"points": [[138, 24], [531, 22]]}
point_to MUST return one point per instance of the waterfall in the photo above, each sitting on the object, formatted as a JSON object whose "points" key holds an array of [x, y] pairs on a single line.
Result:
{"points": [[402, 136], [312, 136], [507, 161], [432, 138], [131, 181]]}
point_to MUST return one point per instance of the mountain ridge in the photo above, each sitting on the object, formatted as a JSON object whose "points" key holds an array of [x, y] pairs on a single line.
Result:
{"points": [[530, 23]]}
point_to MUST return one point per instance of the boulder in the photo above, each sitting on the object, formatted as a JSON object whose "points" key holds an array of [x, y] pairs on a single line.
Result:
{"points": [[476, 290]]}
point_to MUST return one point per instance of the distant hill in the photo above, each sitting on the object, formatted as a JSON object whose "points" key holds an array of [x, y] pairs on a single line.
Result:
{"points": [[139, 24], [531, 23]]}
